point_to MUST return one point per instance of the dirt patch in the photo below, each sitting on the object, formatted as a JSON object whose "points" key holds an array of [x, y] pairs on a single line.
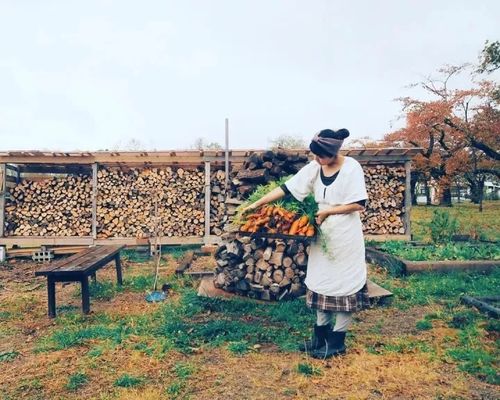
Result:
{"points": [[202, 263], [392, 322]]}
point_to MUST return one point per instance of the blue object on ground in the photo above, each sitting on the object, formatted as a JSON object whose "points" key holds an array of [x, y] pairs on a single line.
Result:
{"points": [[155, 297]]}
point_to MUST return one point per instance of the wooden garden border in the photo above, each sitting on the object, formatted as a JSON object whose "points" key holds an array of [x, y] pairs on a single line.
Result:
{"points": [[398, 266]]}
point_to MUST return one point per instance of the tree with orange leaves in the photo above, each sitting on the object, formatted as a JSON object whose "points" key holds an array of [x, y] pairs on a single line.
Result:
{"points": [[457, 130]]}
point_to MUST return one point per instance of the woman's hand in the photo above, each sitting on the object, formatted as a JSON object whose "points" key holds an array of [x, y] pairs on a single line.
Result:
{"points": [[321, 216], [251, 207]]}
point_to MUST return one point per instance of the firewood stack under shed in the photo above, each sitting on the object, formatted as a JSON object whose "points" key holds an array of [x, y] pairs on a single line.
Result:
{"points": [[52, 207], [386, 188], [218, 212], [385, 185], [262, 268]]}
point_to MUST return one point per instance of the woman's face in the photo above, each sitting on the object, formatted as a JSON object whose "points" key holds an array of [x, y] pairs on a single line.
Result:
{"points": [[325, 160]]}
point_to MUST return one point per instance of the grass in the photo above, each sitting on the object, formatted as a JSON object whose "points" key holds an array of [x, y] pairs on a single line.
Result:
{"points": [[183, 325], [308, 369], [192, 322], [6, 356], [442, 252], [174, 349], [105, 290], [474, 353], [474, 358], [424, 325], [481, 225], [439, 287], [182, 372], [77, 381], [128, 381]]}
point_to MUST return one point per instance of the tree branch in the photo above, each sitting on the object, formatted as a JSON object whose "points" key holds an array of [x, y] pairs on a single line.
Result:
{"points": [[489, 151]]}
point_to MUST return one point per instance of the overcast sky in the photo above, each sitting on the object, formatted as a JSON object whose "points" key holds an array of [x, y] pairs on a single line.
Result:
{"points": [[94, 74]]}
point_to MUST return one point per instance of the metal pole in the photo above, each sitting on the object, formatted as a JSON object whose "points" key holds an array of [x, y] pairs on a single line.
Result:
{"points": [[207, 201], [3, 193], [94, 200], [407, 200], [227, 154]]}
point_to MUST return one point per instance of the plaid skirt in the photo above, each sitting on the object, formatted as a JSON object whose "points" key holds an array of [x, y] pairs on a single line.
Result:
{"points": [[354, 302]]}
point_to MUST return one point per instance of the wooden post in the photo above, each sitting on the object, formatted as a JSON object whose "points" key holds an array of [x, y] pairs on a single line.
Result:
{"points": [[207, 202], [51, 292], [226, 154], [94, 201], [3, 193], [406, 221], [85, 295], [118, 265]]}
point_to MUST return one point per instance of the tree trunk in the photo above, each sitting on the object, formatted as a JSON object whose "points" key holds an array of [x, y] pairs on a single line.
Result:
{"points": [[474, 191], [481, 193], [413, 186], [446, 197], [427, 193]]}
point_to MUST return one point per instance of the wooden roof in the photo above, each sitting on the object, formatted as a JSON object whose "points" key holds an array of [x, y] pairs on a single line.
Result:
{"points": [[190, 157]]}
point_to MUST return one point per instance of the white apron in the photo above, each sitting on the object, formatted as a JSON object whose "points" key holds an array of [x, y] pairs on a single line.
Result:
{"points": [[336, 264]]}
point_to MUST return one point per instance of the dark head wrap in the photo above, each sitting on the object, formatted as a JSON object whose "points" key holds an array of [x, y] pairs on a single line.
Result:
{"points": [[328, 142]]}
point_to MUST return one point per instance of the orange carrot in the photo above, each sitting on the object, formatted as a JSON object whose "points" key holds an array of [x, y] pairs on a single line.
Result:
{"points": [[303, 221], [294, 228], [310, 231]]}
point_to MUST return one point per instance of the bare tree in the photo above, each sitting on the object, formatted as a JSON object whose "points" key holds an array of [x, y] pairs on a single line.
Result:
{"points": [[132, 144], [287, 142], [202, 144]]}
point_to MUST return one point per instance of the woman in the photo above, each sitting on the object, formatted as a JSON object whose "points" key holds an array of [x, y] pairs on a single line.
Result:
{"points": [[336, 270]]}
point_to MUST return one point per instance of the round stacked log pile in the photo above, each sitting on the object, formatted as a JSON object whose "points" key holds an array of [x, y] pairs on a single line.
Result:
{"points": [[386, 189], [261, 168], [267, 269], [50, 207], [126, 202]]}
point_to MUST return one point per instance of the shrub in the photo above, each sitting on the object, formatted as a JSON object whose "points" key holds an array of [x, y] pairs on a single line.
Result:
{"points": [[442, 226]]}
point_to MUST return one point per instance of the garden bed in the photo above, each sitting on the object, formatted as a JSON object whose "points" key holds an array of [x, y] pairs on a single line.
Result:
{"points": [[400, 258]]}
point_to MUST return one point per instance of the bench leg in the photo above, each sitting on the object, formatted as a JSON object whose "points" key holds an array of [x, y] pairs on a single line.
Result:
{"points": [[85, 295], [118, 269], [94, 277], [51, 291]]}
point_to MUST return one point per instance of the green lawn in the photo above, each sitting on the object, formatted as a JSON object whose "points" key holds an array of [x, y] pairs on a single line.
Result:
{"points": [[484, 225]]}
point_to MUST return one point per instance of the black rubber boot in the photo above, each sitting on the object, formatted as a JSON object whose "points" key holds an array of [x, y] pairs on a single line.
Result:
{"points": [[318, 338], [334, 346]]}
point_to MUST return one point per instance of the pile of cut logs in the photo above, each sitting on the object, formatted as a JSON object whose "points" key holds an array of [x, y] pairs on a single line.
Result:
{"points": [[261, 168], [267, 269], [51, 207], [218, 211], [126, 204], [386, 188], [134, 203]]}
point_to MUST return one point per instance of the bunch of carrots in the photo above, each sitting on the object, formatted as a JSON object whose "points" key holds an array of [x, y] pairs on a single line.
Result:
{"points": [[276, 219]]}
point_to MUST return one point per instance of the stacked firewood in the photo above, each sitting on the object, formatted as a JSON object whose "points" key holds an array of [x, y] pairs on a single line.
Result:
{"points": [[261, 168], [134, 203], [268, 269], [218, 211], [385, 185], [386, 188], [50, 207]]}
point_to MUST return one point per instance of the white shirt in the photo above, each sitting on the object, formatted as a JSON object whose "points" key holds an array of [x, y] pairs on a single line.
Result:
{"points": [[337, 267]]}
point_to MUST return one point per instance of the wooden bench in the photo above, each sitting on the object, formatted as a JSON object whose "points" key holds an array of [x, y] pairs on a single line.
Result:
{"points": [[78, 268]]}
